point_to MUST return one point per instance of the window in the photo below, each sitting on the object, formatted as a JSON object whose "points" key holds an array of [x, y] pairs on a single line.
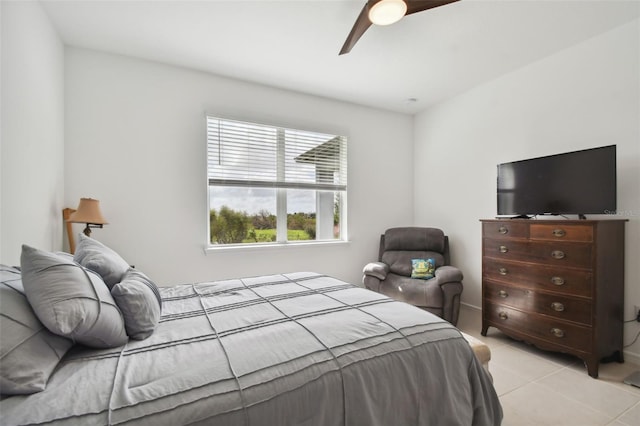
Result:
{"points": [[269, 184]]}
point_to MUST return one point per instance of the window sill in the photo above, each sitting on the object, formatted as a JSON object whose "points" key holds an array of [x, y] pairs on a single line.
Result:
{"points": [[269, 246]]}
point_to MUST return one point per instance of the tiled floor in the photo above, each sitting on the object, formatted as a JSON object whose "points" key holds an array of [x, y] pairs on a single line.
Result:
{"points": [[545, 388]]}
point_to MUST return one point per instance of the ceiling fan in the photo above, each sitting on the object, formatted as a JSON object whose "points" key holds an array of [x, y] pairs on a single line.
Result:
{"points": [[386, 12]]}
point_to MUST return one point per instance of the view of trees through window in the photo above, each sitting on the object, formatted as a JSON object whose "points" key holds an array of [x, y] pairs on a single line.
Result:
{"points": [[228, 226]]}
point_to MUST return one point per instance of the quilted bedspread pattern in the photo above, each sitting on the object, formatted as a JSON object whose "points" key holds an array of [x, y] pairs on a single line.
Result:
{"points": [[290, 349]]}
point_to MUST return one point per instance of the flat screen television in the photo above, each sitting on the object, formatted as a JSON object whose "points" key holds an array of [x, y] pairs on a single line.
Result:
{"points": [[578, 182]]}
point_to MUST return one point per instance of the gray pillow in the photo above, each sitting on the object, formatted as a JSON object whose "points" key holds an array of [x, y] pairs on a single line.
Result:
{"points": [[28, 351], [70, 300], [96, 256], [139, 301]]}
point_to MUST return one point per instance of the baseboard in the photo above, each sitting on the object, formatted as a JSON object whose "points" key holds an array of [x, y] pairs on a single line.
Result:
{"points": [[468, 305], [631, 357]]}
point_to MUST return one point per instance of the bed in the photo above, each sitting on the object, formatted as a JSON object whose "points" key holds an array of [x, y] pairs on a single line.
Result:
{"points": [[291, 349]]}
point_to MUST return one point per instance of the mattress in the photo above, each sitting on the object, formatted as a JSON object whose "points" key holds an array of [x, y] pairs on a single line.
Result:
{"points": [[290, 349]]}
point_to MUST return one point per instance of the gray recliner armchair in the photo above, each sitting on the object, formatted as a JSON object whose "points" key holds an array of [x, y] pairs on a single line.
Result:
{"points": [[391, 275]]}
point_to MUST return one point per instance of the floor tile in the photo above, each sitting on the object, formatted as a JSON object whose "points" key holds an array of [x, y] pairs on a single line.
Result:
{"points": [[522, 363], [469, 317], [539, 405], [631, 417], [504, 379], [597, 394]]}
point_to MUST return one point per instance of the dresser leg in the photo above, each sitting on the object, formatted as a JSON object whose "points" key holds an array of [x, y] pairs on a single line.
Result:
{"points": [[592, 368], [484, 330]]}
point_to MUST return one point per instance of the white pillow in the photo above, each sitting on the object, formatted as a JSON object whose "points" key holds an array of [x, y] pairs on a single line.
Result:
{"points": [[70, 300]]}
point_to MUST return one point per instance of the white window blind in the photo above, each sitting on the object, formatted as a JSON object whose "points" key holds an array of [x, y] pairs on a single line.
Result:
{"points": [[257, 155]]}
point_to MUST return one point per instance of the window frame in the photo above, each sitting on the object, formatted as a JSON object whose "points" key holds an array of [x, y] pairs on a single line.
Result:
{"points": [[281, 195]]}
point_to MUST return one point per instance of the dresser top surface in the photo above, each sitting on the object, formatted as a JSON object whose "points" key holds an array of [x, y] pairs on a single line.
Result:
{"points": [[554, 221]]}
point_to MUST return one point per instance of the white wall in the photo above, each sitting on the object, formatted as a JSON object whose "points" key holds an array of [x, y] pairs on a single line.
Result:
{"points": [[32, 172], [582, 97], [135, 140]]}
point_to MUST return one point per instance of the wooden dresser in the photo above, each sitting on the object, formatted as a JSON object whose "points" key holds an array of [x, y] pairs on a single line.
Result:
{"points": [[557, 284]]}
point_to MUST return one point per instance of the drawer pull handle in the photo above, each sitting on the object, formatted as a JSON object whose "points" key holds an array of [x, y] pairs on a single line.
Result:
{"points": [[503, 249], [503, 230], [557, 306], [503, 315], [503, 293], [557, 332], [557, 254], [558, 233], [557, 280], [503, 271]]}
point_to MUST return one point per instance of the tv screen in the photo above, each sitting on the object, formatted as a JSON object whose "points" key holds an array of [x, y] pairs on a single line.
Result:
{"points": [[579, 182]]}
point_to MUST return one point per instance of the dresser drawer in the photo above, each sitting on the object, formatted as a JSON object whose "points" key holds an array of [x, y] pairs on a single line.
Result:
{"points": [[548, 253], [505, 229], [538, 327], [558, 306], [573, 282], [560, 232]]}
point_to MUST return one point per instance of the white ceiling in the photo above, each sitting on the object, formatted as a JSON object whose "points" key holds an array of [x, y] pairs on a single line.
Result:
{"points": [[294, 44]]}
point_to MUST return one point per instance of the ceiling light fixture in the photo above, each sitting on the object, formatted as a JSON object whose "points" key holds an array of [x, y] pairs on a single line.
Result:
{"points": [[386, 12]]}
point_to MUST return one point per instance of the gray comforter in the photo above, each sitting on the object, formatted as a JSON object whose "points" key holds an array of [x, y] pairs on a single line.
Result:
{"points": [[294, 349]]}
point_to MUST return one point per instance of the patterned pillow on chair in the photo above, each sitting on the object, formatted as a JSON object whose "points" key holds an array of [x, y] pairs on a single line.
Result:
{"points": [[423, 269]]}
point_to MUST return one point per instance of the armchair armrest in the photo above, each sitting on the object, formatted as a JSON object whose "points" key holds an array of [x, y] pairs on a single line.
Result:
{"points": [[376, 269], [447, 274]]}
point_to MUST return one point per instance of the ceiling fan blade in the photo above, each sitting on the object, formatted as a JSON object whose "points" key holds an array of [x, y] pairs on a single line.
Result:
{"points": [[414, 6], [361, 25], [363, 22]]}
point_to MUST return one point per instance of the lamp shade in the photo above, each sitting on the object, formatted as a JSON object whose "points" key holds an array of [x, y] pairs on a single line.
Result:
{"points": [[386, 12], [88, 211]]}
